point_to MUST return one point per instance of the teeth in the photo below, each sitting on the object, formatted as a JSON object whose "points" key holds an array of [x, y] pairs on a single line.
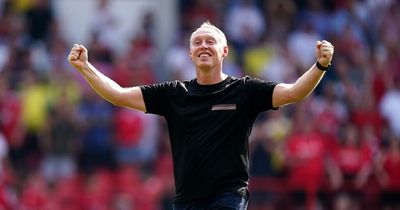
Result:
{"points": [[204, 55]]}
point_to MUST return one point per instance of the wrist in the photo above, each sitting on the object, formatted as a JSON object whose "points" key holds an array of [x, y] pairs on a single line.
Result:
{"points": [[83, 67], [321, 67]]}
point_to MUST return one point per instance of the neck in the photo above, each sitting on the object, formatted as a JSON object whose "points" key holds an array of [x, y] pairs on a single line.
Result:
{"points": [[209, 77]]}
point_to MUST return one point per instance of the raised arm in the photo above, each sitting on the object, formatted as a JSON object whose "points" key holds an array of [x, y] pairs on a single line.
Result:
{"points": [[290, 93], [108, 89]]}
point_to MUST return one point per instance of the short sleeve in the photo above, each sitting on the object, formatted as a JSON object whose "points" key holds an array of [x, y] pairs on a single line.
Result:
{"points": [[155, 97], [260, 93]]}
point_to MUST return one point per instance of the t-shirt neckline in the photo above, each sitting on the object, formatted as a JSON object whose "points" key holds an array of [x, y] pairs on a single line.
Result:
{"points": [[221, 83]]}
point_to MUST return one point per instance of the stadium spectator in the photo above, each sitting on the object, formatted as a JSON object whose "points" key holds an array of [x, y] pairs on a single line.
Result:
{"points": [[105, 26], [245, 25], [388, 169], [353, 163], [389, 106], [40, 19], [305, 153], [59, 142], [96, 150]]}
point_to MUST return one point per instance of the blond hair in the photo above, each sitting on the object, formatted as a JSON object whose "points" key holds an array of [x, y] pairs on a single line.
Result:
{"points": [[208, 24]]}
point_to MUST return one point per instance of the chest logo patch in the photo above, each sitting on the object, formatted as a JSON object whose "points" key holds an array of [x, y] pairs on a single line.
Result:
{"points": [[221, 107]]}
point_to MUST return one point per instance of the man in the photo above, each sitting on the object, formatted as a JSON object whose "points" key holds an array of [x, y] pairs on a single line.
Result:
{"points": [[209, 118]]}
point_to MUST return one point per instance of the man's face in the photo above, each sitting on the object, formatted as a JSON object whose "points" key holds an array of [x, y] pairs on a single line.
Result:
{"points": [[206, 48]]}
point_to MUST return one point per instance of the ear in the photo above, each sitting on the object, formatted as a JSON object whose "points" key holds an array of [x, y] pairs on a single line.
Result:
{"points": [[190, 55], [225, 51]]}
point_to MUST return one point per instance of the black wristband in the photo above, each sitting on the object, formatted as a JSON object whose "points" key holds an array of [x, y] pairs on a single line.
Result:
{"points": [[320, 67]]}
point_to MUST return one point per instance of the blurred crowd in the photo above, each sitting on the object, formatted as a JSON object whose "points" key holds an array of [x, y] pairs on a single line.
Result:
{"points": [[63, 147]]}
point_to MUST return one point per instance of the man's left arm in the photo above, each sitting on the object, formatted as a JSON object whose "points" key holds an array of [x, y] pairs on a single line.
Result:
{"points": [[290, 93]]}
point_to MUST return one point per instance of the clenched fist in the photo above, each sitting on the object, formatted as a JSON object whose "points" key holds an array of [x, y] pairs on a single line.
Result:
{"points": [[78, 56], [324, 52]]}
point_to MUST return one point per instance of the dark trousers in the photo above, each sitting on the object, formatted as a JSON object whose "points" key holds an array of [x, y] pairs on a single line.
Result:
{"points": [[226, 201]]}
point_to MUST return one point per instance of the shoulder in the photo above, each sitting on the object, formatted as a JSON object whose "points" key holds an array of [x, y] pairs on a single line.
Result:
{"points": [[167, 85], [252, 81]]}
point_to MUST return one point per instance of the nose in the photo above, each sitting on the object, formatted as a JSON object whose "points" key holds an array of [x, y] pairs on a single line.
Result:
{"points": [[204, 45]]}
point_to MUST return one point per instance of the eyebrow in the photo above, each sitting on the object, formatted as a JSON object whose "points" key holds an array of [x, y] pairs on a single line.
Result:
{"points": [[206, 36]]}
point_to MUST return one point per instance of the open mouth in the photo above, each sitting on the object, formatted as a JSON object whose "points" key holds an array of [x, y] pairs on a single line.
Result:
{"points": [[204, 55]]}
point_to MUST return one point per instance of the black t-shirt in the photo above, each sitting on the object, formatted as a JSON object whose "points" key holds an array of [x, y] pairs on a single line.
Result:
{"points": [[209, 126]]}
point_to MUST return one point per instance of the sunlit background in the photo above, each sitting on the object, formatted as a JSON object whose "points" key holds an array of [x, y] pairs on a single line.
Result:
{"points": [[63, 147]]}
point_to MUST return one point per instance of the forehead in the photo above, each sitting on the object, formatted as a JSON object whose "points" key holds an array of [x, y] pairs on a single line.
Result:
{"points": [[206, 31]]}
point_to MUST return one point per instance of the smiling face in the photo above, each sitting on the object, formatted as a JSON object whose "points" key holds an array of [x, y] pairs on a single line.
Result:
{"points": [[208, 47]]}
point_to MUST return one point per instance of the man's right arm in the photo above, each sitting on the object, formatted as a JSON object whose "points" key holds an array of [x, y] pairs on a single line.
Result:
{"points": [[131, 97]]}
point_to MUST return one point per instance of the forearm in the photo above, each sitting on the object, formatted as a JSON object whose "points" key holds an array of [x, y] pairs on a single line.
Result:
{"points": [[307, 82], [290, 93], [101, 84]]}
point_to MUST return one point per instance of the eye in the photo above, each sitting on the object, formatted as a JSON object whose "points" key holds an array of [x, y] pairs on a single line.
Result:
{"points": [[210, 41], [196, 42]]}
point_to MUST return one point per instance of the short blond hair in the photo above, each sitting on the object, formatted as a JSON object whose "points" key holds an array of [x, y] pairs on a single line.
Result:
{"points": [[208, 24]]}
